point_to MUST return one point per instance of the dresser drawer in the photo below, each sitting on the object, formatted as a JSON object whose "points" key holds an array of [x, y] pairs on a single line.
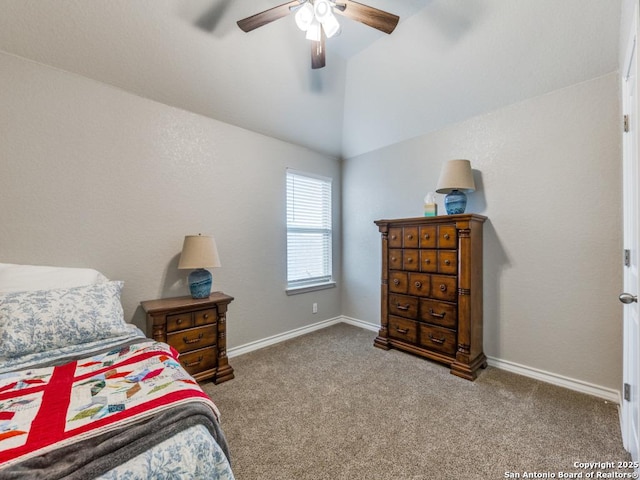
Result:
{"points": [[192, 338], [447, 236], [419, 284], [395, 259], [439, 313], [403, 329], [198, 360], [403, 306], [437, 338], [429, 261], [410, 237], [179, 321], [444, 288], [398, 282], [428, 236], [448, 262], [395, 237], [411, 260]]}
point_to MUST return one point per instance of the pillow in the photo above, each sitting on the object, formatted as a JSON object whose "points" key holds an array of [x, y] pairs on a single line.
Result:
{"points": [[17, 278], [44, 320]]}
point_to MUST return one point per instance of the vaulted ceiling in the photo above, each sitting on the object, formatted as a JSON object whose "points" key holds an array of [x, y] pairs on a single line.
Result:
{"points": [[446, 61]]}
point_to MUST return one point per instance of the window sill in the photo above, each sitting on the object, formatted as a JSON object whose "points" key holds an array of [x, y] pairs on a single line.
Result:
{"points": [[309, 288]]}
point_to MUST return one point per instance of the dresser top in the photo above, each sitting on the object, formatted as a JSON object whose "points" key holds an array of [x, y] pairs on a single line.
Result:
{"points": [[462, 217], [152, 306]]}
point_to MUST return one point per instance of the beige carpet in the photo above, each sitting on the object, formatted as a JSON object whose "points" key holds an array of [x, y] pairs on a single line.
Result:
{"points": [[329, 405]]}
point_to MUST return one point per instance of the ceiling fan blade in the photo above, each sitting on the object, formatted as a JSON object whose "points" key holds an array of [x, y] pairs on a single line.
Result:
{"points": [[378, 19], [318, 52], [268, 16]]}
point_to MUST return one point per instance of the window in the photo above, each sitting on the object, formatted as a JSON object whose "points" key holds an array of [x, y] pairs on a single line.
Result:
{"points": [[308, 232]]}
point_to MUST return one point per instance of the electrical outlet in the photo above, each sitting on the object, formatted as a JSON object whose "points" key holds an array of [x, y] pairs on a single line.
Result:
{"points": [[314, 308]]}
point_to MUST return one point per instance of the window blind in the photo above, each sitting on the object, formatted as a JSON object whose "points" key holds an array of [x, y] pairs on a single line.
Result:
{"points": [[308, 229]]}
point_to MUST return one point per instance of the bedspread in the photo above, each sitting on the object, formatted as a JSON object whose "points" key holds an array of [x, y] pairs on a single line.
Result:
{"points": [[83, 418]]}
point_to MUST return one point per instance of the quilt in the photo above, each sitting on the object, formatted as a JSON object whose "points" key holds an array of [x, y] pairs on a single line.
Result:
{"points": [[50, 409]]}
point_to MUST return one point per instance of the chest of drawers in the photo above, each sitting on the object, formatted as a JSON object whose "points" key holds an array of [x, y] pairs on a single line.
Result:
{"points": [[196, 328], [431, 289]]}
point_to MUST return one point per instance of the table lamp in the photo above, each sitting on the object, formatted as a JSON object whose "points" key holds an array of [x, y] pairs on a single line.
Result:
{"points": [[456, 178], [199, 252]]}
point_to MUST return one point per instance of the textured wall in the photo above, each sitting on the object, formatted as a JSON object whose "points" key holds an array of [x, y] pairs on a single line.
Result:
{"points": [[548, 172], [96, 177]]}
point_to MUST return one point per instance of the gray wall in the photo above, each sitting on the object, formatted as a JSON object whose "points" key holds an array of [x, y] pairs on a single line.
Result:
{"points": [[548, 172], [93, 176]]}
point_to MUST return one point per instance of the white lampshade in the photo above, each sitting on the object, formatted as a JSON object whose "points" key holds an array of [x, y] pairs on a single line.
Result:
{"points": [[456, 175], [199, 251], [322, 9]]}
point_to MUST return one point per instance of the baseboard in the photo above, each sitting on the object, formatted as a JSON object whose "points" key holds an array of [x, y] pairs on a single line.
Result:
{"points": [[608, 394], [281, 337]]}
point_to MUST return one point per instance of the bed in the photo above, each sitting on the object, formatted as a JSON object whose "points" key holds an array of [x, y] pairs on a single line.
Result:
{"points": [[85, 395]]}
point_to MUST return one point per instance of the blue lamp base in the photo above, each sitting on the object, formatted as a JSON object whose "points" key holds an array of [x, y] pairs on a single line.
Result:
{"points": [[200, 281], [455, 202]]}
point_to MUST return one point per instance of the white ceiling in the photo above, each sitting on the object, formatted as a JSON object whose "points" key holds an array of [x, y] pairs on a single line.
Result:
{"points": [[446, 61]]}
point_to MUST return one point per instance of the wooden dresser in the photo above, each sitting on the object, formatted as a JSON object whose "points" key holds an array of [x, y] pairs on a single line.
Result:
{"points": [[431, 293], [197, 328]]}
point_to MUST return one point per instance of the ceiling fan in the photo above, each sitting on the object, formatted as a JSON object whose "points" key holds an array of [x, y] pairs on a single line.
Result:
{"points": [[316, 18]]}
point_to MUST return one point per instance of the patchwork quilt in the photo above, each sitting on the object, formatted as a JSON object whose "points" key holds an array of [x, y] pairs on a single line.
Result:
{"points": [[43, 409]]}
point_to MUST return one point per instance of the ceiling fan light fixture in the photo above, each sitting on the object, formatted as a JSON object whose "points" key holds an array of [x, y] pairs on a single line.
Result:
{"points": [[314, 32], [322, 9], [331, 26], [304, 17]]}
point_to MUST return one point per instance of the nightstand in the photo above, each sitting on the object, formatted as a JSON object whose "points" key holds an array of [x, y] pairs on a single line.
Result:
{"points": [[197, 328]]}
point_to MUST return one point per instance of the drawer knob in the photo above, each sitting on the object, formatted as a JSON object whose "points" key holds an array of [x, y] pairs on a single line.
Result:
{"points": [[179, 321], [396, 282], [436, 315], [205, 316], [446, 236], [189, 341], [427, 261], [427, 236], [443, 287], [410, 237], [418, 284], [393, 237], [409, 260], [438, 341], [403, 331], [393, 259], [447, 262]]}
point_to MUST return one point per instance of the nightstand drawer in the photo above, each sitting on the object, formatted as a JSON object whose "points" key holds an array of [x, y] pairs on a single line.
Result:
{"points": [[204, 317], [198, 360], [179, 321], [192, 338]]}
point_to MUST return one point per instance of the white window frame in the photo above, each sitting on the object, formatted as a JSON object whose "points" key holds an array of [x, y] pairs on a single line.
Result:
{"points": [[316, 222]]}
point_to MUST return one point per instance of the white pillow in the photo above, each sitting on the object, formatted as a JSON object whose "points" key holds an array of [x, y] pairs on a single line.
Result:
{"points": [[43, 320], [20, 278]]}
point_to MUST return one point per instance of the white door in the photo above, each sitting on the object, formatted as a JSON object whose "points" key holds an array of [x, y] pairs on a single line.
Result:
{"points": [[631, 182]]}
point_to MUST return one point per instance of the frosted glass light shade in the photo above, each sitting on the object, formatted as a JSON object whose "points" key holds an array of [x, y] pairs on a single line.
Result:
{"points": [[456, 175], [331, 25], [304, 17], [314, 31]]}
